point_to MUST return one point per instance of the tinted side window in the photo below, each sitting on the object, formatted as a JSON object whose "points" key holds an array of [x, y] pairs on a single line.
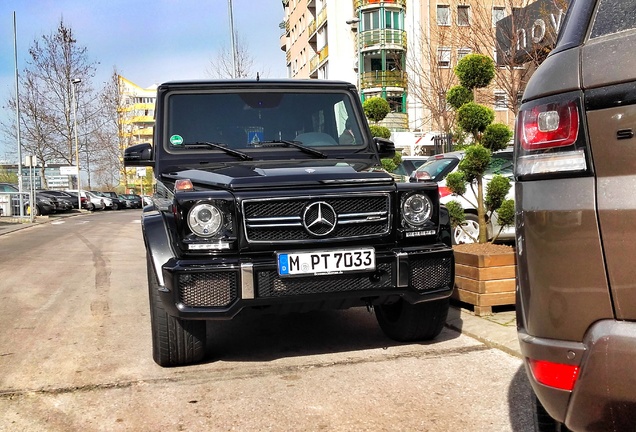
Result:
{"points": [[614, 16]]}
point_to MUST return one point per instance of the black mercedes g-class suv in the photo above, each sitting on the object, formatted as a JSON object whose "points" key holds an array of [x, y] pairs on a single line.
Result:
{"points": [[268, 195]]}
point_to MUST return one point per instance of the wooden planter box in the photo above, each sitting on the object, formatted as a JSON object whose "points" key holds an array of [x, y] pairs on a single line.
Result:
{"points": [[485, 280]]}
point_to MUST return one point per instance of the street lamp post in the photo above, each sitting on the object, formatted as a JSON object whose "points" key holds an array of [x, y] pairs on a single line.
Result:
{"points": [[354, 22], [74, 82]]}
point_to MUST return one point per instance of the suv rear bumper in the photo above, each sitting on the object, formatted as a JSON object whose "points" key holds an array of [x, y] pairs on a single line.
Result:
{"points": [[603, 397], [221, 288]]}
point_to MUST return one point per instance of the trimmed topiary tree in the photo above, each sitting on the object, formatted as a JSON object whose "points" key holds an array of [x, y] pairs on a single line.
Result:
{"points": [[477, 71], [376, 109]]}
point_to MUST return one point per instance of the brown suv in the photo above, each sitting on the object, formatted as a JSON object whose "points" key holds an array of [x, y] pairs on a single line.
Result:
{"points": [[575, 169]]}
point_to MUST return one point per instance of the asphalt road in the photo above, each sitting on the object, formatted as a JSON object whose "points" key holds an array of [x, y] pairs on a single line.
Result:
{"points": [[75, 355]]}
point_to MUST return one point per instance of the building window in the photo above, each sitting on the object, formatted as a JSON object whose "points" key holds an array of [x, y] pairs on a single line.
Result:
{"points": [[371, 20], [443, 15], [501, 101], [393, 20], [463, 15], [498, 13], [463, 52], [443, 57]]}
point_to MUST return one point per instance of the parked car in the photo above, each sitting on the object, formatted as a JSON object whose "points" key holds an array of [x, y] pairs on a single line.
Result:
{"points": [[64, 195], [44, 205], [575, 165], [409, 164], [111, 202], [437, 167], [62, 204], [134, 199], [95, 202]]}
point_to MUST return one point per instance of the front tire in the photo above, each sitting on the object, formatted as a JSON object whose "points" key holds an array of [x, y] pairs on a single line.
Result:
{"points": [[175, 341], [405, 322]]}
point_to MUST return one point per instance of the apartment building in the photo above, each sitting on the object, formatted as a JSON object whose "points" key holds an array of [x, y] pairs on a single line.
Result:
{"points": [[136, 121], [401, 50]]}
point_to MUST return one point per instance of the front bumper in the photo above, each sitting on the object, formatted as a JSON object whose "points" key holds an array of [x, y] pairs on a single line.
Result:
{"points": [[221, 288], [604, 396]]}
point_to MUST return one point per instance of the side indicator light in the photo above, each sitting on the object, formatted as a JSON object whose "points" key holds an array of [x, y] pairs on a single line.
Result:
{"points": [[183, 185]]}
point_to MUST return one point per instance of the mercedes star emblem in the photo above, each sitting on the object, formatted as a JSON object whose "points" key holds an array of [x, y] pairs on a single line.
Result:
{"points": [[319, 218]]}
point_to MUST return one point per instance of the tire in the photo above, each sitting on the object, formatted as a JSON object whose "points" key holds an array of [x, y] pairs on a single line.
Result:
{"points": [[175, 342], [90, 206], [405, 322], [115, 206], [542, 420], [471, 226]]}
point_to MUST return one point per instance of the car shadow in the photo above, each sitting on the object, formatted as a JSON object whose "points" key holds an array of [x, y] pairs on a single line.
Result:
{"points": [[520, 402], [257, 336]]}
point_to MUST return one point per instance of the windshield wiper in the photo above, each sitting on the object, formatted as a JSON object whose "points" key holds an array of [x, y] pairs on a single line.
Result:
{"points": [[299, 146], [221, 147]]}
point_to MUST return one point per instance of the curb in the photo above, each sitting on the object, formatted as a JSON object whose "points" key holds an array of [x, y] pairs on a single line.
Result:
{"points": [[501, 337]]}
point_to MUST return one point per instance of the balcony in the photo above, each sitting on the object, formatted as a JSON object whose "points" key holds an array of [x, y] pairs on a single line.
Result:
{"points": [[383, 38], [384, 79], [318, 59], [357, 4]]}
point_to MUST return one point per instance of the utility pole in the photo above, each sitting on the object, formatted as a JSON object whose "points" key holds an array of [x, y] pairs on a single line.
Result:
{"points": [[17, 112], [233, 42]]}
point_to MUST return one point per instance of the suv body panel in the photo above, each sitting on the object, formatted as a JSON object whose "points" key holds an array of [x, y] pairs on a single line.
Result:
{"points": [[576, 302]]}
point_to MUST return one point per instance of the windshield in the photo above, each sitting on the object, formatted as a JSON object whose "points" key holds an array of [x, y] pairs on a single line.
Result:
{"points": [[256, 120]]}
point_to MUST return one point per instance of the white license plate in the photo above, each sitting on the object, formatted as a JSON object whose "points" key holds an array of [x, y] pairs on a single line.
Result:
{"points": [[326, 262]]}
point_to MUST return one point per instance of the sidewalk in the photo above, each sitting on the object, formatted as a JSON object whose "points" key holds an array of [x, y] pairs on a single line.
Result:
{"points": [[498, 330], [14, 223]]}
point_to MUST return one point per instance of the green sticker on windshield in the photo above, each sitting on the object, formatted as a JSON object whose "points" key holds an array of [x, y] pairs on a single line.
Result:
{"points": [[176, 140]]}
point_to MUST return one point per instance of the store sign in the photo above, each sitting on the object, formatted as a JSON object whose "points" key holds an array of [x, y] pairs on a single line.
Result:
{"points": [[68, 170], [529, 31], [141, 171]]}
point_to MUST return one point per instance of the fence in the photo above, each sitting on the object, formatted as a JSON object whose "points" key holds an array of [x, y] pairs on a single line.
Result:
{"points": [[443, 143], [10, 203]]}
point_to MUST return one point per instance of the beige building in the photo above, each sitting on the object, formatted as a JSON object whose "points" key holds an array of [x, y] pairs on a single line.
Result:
{"points": [[401, 50], [136, 121]]}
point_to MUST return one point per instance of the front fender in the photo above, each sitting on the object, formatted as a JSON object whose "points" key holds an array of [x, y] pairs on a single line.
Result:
{"points": [[157, 240]]}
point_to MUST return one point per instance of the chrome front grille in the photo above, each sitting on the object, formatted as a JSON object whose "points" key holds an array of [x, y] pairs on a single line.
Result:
{"points": [[285, 220]]}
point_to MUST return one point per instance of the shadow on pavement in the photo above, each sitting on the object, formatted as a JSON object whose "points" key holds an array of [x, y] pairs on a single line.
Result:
{"points": [[255, 337]]}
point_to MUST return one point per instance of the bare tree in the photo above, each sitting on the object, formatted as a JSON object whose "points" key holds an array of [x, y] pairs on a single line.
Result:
{"points": [[430, 76], [45, 92], [222, 65], [521, 55]]}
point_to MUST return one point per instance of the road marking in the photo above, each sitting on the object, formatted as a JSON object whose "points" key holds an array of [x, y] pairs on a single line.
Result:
{"points": [[57, 222]]}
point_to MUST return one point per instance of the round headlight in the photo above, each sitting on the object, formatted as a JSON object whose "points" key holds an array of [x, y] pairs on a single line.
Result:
{"points": [[417, 209], [205, 220]]}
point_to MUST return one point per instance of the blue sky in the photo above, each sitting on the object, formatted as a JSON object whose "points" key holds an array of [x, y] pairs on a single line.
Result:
{"points": [[149, 41]]}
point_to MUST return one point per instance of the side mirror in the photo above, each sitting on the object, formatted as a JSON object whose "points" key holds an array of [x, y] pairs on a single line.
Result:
{"points": [[138, 155], [386, 148]]}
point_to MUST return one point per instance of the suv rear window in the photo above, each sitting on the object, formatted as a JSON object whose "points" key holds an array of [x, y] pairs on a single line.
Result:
{"points": [[614, 16]]}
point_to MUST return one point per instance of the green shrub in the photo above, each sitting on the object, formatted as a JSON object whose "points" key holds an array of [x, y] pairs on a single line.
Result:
{"points": [[458, 96], [474, 118], [376, 109], [475, 71], [380, 131], [496, 136]]}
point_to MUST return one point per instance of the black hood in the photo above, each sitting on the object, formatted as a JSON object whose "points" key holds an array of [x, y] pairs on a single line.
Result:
{"points": [[240, 177]]}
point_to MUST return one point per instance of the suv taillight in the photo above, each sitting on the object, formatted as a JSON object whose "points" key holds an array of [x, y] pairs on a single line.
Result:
{"points": [[549, 125], [550, 137]]}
